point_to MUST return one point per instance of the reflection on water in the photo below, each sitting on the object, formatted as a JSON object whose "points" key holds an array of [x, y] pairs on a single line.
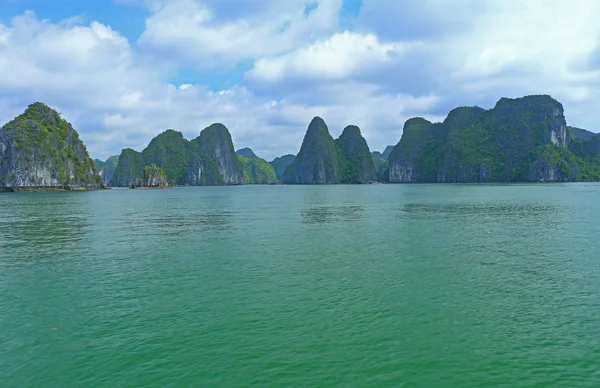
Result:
{"points": [[420, 210], [339, 213], [170, 216], [174, 224]]}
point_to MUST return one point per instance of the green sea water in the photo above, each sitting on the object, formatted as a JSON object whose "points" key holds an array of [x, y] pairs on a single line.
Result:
{"points": [[302, 286]]}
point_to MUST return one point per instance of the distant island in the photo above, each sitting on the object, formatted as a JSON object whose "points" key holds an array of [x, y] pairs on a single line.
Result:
{"points": [[519, 140]]}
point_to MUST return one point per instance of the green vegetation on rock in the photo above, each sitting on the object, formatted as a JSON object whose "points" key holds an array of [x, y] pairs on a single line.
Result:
{"points": [[281, 163], [380, 160], [588, 152], [324, 160], [39, 148], [258, 171], [317, 161], [171, 152], [354, 156], [523, 139], [130, 168], [246, 152], [206, 160], [581, 134], [216, 141], [154, 177], [98, 164], [107, 169]]}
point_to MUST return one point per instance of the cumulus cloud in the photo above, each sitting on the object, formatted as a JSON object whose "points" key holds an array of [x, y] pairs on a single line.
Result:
{"points": [[197, 32], [68, 62], [341, 56]]}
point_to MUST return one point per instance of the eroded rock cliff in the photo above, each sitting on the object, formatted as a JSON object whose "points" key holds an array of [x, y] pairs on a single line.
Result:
{"points": [[317, 162], [522, 139], [39, 149], [216, 141]]}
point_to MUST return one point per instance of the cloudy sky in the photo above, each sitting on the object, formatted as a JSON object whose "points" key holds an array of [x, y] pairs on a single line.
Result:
{"points": [[122, 71]]}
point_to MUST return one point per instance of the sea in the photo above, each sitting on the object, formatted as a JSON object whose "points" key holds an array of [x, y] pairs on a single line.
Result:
{"points": [[439, 285]]}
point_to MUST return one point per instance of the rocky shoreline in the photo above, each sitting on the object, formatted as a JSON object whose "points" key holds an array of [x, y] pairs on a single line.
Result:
{"points": [[20, 189]]}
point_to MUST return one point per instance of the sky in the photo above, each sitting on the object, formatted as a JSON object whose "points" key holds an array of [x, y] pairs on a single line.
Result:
{"points": [[123, 71]]}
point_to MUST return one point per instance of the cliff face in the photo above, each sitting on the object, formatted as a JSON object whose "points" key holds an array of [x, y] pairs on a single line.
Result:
{"points": [[380, 160], [129, 170], [521, 139], [107, 169], [317, 161], [356, 162], [184, 162], [587, 149], [216, 142], [202, 169], [281, 163], [408, 159], [170, 152], [40, 149]]}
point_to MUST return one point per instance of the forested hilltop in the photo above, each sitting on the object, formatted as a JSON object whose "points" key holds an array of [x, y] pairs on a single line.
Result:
{"points": [[524, 139], [519, 140], [40, 150]]}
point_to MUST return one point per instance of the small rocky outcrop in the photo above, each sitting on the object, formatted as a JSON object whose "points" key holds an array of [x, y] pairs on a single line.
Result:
{"points": [[154, 178]]}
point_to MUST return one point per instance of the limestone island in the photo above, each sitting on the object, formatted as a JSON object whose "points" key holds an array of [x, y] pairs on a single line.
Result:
{"points": [[519, 140]]}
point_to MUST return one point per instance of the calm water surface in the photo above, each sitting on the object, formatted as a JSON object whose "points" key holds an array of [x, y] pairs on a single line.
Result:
{"points": [[278, 286]]}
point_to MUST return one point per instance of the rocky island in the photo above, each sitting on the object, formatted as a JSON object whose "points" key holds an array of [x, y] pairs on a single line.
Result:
{"points": [[154, 178], [41, 151], [519, 140], [256, 170], [324, 160]]}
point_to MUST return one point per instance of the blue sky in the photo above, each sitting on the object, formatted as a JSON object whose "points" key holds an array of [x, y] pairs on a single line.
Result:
{"points": [[123, 71]]}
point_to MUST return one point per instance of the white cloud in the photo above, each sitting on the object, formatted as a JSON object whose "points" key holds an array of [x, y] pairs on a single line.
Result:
{"points": [[341, 56], [192, 31], [543, 36], [68, 63]]}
